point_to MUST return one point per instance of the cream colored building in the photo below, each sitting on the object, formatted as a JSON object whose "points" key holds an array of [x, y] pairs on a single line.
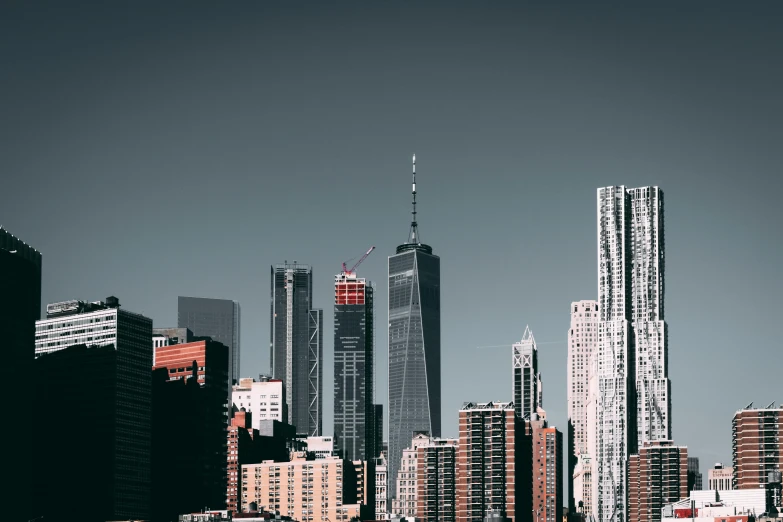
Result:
{"points": [[323, 490]]}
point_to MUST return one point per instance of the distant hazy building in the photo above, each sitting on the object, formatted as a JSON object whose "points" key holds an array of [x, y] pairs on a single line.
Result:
{"points": [[106, 386], [436, 481], [657, 475], [296, 345], [720, 478], [265, 398], [634, 401], [526, 378], [20, 308], [493, 463], [414, 342], [215, 318], [694, 475], [306, 490], [582, 340], [354, 410], [404, 502], [757, 446]]}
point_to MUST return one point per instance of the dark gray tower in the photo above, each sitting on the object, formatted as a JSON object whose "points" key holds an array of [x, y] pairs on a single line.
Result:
{"points": [[354, 429], [414, 343], [296, 345]]}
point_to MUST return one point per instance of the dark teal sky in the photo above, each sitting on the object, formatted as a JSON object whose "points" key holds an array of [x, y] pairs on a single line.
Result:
{"points": [[152, 151]]}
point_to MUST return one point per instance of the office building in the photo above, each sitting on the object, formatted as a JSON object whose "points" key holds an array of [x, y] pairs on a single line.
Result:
{"points": [[354, 410], [634, 402], [657, 475], [169, 336], [526, 378], [320, 447], [92, 365], [218, 319], [296, 345], [404, 501], [436, 481], [493, 463], [194, 419], [694, 475], [263, 397], [547, 479], [321, 490], [414, 342], [720, 478], [381, 486], [20, 308], [756, 445], [582, 340]]}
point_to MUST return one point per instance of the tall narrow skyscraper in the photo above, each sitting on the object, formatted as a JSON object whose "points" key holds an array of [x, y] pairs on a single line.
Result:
{"points": [[527, 379], [414, 342], [634, 404], [296, 345], [215, 318], [354, 429]]}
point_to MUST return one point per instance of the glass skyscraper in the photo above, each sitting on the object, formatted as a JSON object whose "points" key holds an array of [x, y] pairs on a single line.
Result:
{"points": [[296, 345], [414, 343]]}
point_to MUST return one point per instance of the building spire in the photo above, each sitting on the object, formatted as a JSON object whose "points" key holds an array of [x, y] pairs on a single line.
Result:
{"points": [[413, 236]]}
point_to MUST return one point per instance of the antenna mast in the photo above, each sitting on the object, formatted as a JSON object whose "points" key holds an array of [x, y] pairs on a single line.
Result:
{"points": [[413, 237]]}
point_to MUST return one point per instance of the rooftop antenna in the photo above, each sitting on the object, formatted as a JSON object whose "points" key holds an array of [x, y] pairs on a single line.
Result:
{"points": [[413, 237]]}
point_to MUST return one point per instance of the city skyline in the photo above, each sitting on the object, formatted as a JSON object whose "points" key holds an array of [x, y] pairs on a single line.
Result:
{"points": [[487, 204]]}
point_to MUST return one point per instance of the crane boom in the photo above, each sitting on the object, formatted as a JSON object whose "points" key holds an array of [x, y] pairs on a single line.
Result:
{"points": [[359, 262]]}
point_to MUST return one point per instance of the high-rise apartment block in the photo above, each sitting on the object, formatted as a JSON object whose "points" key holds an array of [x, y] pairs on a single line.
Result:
{"points": [[582, 340], [93, 368], [322, 490], [414, 342], [493, 463], [296, 345], [757, 445], [354, 410], [265, 398], [633, 402], [526, 378], [20, 308], [215, 318], [657, 475], [436, 481], [404, 501], [720, 478], [547, 479]]}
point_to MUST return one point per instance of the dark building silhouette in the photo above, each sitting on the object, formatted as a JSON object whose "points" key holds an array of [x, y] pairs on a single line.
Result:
{"points": [[296, 345], [20, 307], [378, 421], [189, 427], [354, 411]]}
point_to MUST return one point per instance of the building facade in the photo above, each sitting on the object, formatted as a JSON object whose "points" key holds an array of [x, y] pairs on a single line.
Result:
{"points": [[493, 463], [263, 397], [93, 367], [526, 378], [657, 476], [321, 490], [296, 345], [381, 486], [694, 475], [547, 478], [406, 488], [756, 445], [170, 336], [414, 342], [20, 308], [634, 399], [720, 478], [354, 410], [218, 319], [436, 481], [582, 340], [582, 485]]}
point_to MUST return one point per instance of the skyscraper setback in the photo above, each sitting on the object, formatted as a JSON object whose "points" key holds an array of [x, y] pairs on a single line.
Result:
{"points": [[414, 342], [354, 411], [634, 402], [296, 345]]}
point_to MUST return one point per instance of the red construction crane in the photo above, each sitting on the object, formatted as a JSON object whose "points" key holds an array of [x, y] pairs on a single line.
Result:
{"points": [[359, 262]]}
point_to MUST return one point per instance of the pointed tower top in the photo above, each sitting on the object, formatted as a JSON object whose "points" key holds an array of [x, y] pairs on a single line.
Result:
{"points": [[528, 335], [413, 235]]}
